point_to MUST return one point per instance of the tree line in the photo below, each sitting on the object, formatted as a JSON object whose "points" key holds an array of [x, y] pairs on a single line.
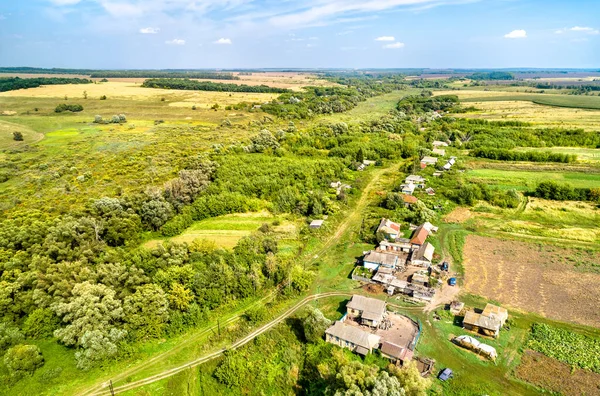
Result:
{"points": [[193, 85], [14, 83], [556, 191], [162, 74], [531, 156]]}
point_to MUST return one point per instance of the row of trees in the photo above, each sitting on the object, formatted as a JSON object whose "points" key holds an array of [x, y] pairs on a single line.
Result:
{"points": [[14, 83], [193, 85], [162, 74], [425, 103], [68, 107], [553, 190], [532, 156]]}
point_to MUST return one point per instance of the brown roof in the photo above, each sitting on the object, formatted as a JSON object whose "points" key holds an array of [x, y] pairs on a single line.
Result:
{"points": [[396, 351], [409, 198], [419, 236]]}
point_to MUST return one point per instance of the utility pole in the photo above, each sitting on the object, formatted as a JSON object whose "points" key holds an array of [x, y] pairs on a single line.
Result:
{"points": [[112, 390]]}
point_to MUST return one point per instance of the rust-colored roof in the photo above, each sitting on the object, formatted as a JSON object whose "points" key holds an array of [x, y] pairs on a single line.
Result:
{"points": [[396, 351], [419, 236], [411, 199]]}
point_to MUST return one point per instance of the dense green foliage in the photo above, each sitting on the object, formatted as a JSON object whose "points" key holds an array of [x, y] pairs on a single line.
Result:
{"points": [[68, 107], [567, 346], [193, 85], [532, 156], [494, 75], [424, 103], [564, 192], [14, 83], [23, 360], [162, 74]]}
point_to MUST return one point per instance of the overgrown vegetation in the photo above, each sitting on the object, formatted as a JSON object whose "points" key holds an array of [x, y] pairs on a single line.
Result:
{"points": [[532, 156], [74, 108]]}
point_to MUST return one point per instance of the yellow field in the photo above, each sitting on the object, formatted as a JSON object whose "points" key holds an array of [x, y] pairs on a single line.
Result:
{"points": [[539, 115]]}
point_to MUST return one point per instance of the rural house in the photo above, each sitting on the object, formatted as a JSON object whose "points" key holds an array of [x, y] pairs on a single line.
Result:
{"points": [[351, 337], [401, 245], [388, 228], [369, 311], [489, 322], [427, 160], [408, 188], [438, 151], [373, 260], [438, 143], [415, 179], [316, 223], [419, 236], [423, 256], [397, 354], [409, 200], [430, 227], [419, 278]]}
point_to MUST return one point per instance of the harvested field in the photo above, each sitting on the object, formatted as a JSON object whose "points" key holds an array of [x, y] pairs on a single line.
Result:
{"points": [[555, 376], [558, 283], [458, 215]]}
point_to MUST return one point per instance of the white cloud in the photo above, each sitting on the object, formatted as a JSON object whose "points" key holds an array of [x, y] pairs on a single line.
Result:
{"points": [[516, 34], [394, 45], [122, 9], [225, 41], [579, 29], [175, 42], [64, 2], [385, 38], [149, 30]]}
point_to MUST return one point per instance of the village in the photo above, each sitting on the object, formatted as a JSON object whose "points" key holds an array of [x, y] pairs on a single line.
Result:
{"points": [[403, 266]]}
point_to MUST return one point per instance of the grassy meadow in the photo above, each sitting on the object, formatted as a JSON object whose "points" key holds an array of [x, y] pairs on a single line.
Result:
{"points": [[527, 180]]}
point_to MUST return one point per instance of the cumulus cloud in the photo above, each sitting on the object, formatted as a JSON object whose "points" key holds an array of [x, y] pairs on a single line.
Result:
{"points": [[175, 42], [516, 34], [394, 45], [385, 38], [149, 30], [222, 41]]}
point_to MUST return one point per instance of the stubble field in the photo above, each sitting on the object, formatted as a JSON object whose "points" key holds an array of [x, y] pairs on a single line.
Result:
{"points": [[534, 278]]}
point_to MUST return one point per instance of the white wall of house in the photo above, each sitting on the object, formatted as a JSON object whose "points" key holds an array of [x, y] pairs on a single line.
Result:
{"points": [[371, 266]]}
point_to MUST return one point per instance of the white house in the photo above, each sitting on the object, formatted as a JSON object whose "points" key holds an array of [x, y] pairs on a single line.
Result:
{"points": [[373, 260], [408, 188], [389, 228]]}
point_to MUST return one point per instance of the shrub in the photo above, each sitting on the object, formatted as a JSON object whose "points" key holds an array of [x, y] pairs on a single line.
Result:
{"points": [[23, 360], [68, 107], [18, 136]]}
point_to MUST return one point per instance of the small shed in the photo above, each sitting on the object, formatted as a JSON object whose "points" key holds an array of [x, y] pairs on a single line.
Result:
{"points": [[316, 223], [456, 307]]}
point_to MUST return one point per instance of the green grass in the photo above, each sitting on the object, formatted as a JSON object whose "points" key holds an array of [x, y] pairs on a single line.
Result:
{"points": [[583, 154], [372, 108], [6, 135], [528, 180]]}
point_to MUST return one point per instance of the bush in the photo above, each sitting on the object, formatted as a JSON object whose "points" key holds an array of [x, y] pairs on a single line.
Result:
{"points": [[41, 323], [23, 360], [68, 107], [18, 136]]}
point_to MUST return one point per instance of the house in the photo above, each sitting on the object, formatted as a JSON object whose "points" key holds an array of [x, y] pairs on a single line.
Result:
{"points": [[438, 143], [419, 236], [423, 256], [419, 279], [390, 229], [316, 223], [489, 322], [430, 227], [430, 191], [370, 311], [401, 245], [456, 307], [429, 160], [368, 162], [415, 179], [408, 188], [440, 152], [351, 337], [437, 174], [361, 167], [409, 200], [373, 260], [397, 354], [336, 184]]}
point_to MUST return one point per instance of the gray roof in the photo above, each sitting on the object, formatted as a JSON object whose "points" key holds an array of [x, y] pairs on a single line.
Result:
{"points": [[424, 252], [366, 304], [381, 258], [479, 320], [353, 334]]}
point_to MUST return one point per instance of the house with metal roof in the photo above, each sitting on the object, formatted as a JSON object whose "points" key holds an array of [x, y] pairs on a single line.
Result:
{"points": [[423, 256], [373, 260], [369, 311], [419, 236], [390, 229], [351, 337], [408, 188], [482, 323], [397, 354], [439, 143]]}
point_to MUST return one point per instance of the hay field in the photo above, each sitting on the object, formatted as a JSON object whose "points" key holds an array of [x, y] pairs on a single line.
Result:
{"points": [[533, 278], [545, 110], [226, 231]]}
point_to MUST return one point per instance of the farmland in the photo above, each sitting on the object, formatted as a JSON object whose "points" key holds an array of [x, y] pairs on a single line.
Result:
{"points": [[534, 277], [527, 180]]}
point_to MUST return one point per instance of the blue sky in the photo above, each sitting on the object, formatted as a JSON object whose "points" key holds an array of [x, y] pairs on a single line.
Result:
{"points": [[308, 33]]}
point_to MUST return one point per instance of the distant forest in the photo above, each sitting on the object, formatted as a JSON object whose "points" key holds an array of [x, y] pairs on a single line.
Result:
{"points": [[495, 75], [192, 85], [162, 74], [14, 83]]}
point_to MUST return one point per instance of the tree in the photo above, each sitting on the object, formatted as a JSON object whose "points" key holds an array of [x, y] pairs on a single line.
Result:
{"points": [[93, 307], [314, 324], [85, 95], [410, 379], [18, 136], [360, 155], [156, 212], [23, 360], [180, 297], [9, 335], [146, 312], [41, 323], [422, 213]]}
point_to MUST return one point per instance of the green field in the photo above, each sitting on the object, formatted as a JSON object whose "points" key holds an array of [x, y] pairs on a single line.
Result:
{"points": [[528, 180], [583, 154], [571, 101], [226, 231], [372, 108]]}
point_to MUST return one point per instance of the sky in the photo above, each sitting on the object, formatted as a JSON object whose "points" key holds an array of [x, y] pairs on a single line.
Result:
{"points": [[160, 34]]}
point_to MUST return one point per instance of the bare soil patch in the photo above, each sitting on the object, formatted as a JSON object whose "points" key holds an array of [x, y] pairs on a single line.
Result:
{"points": [[556, 376], [558, 283]]}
